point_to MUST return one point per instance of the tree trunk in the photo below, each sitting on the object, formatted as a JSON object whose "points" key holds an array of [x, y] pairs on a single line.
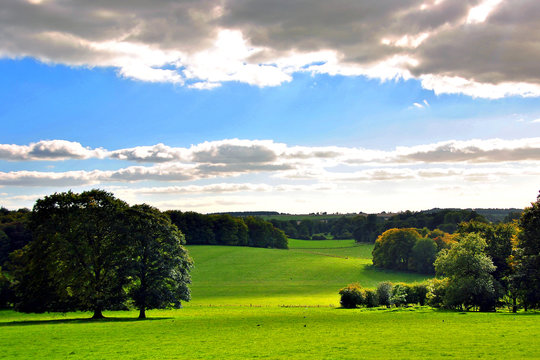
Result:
{"points": [[98, 314], [514, 305], [142, 312]]}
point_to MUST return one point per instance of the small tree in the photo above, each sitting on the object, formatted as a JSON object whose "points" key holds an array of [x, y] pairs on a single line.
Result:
{"points": [[384, 293], [469, 271], [352, 296]]}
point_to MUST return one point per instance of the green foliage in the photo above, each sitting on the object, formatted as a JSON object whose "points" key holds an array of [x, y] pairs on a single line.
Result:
{"points": [[6, 296], [352, 296], [423, 256], [499, 240], [394, 247], [160, 264], [224, 229], [399, 295], [469, 271], [371, 299], [384, 293], [14, 232], [264, 234], [437, 292], [526, 279], [79, 246], [417, 293]]}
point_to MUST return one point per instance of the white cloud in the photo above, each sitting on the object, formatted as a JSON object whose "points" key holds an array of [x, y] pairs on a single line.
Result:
{"points": [[477, 48], [235, 174], [49, 150]]}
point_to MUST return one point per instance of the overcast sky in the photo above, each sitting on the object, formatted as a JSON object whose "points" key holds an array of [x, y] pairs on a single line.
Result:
{"points": [[294, 106]]}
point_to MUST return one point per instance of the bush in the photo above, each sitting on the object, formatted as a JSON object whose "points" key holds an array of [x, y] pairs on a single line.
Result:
{"points": [[371, 299], [318, 237], [352, 296], [417, 293], [384, 293], [399, 295], [437, 291]]}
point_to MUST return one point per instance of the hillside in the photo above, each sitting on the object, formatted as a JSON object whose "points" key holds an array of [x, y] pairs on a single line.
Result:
{"points": [[310, 273]]}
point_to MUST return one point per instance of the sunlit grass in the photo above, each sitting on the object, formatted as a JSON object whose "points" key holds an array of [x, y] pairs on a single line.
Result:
{"points": [[274, 304], [272, 333], [303, 275]]}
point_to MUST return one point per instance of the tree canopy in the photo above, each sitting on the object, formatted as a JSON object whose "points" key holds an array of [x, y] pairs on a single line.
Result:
{"points": [[468, 269], [90, 251], [159, 263]]}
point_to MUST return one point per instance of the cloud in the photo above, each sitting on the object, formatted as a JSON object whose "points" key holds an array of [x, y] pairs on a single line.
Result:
{"points": [[477, 48], [473, 151], [49, 150], [155, 153], [234, 152]]}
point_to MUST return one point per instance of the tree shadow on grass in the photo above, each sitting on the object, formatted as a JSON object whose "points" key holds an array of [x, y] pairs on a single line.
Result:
{"points": [[79, 321]]}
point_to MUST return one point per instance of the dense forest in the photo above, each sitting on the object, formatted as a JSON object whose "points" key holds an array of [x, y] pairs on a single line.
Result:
{"points": [[366, 228]]}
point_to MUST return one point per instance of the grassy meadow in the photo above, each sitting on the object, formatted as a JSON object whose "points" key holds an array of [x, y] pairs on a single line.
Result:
{"points": [[310, 273], [274, 304]]}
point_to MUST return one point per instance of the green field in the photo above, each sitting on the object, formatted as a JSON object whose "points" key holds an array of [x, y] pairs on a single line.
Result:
{"points": [[310, 273], [272, 333], [274, 304]]}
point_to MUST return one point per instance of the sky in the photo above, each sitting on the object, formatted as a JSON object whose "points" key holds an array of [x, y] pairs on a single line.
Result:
{"points": [[293, 106]]}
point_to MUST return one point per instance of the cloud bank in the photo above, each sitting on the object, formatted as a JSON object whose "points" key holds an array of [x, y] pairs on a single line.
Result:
{"points": [[234, 157], [481, 48]]}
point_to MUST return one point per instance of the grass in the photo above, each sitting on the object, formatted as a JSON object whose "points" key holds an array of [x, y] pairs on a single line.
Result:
{"points": [[272, 333], [310, 273], [259, 303]]}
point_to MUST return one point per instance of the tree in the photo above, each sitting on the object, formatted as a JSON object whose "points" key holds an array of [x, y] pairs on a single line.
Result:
{"points": [[468, 268], [393, 248], [160, 265], [5, 290], [80, 239], [423, 256], [499, 240], [526, 279]]}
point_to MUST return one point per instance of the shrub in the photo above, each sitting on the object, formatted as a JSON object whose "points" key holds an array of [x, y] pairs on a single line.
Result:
{"points": [[318, 237], [399, 295], [352, 296], [437, 291], [384, 293], [417, 293], [371, 299]]}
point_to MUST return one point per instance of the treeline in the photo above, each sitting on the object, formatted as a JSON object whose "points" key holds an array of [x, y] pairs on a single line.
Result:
{"points": [[368, 228], [224, 229], [93, 252], [481, 266]]}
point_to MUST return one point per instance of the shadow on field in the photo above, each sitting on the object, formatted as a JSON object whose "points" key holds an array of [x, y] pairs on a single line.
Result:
{"points": [[79, 321]]}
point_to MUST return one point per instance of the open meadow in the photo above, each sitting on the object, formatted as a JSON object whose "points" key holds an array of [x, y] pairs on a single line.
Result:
{"points": [[274, 304]]}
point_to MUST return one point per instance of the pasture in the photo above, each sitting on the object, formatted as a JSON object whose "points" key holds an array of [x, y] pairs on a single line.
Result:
{"points": [[274, 304], [310, 273]]}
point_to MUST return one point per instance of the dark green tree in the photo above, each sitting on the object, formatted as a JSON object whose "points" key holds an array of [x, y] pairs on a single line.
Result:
{"points": [[80, 238], [160, 265], [423, 256], [526, 279]]}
